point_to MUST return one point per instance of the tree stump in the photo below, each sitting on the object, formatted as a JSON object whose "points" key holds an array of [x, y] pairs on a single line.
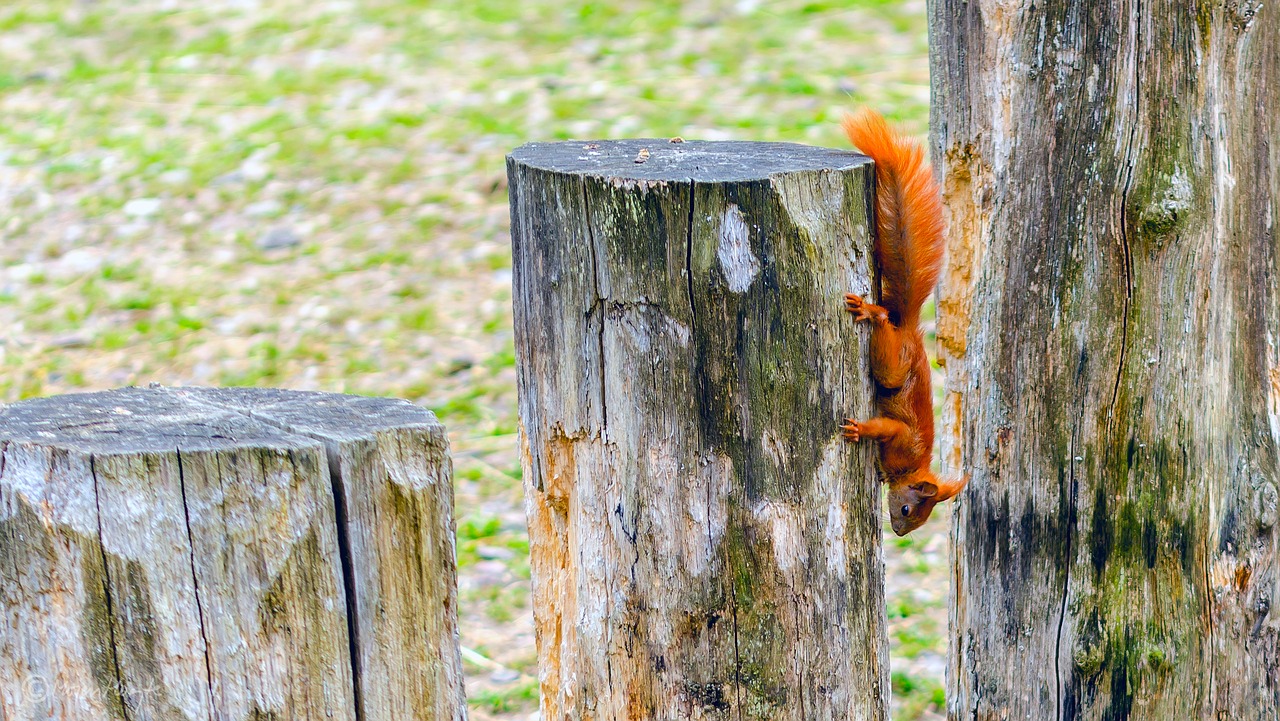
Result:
{"points": [[1109, 327], [186, 553], [704, 544]]}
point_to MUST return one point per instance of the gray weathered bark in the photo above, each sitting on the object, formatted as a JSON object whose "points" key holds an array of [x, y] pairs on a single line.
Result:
{"points": [[704, 544], [175, 553], [1109, 326]]}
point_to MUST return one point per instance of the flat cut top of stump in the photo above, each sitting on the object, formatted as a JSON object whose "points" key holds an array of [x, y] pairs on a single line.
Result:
{"points": [[700, 161], [160, 419]]}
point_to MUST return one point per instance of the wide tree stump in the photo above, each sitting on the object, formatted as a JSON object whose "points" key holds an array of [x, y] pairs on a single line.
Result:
{"points": [[704, 544], [183, 553]]}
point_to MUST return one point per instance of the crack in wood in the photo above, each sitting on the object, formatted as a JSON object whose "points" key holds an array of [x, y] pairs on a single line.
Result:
{"points": [[737, 652], [343, 536], [345, 560], [106, 592], [598, 303], [1208, 616], [195, 580], [1124, 208], [688, 265], [1071, 500]]}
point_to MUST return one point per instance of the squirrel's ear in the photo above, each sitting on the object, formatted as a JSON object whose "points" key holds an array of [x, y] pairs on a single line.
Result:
{"points": [[948, 489], [925, 484]]}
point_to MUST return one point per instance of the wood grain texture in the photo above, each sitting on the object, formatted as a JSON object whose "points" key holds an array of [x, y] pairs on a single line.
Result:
{"points": [[177, 554], [1109, 325], [703, 543]]}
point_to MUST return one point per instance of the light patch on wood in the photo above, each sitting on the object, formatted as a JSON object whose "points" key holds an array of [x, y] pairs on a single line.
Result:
{"points": [[1273, 390], [707, 505], [786, 533], [949, 435], [677, 330], [548, 560], [965, 187], [642, 185], [1265, 501], [739, 265], [814, 202], [637, 320], [72, 505], [1177, 195], [1234, 573], [560, 468], [827, 483], [966, 193], [773, 447], [1001, 20], [414, 472], [693, 503]]}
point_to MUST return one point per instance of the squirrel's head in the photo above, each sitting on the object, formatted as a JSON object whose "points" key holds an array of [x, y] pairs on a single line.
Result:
{"points": [[912, 498]]}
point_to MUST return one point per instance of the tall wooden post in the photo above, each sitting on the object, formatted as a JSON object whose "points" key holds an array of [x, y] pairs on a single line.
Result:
{"points": [[1110, 328], [704, 543]]}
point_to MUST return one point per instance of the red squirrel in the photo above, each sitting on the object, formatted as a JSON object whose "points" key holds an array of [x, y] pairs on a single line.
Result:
{"points": [[908, 250]]}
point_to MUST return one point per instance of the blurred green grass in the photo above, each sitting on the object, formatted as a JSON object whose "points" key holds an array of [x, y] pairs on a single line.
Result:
{"points": [[152, 153]]}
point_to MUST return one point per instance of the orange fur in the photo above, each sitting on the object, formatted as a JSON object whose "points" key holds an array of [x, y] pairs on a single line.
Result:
{"points": [[909, 247], [909, 242]]}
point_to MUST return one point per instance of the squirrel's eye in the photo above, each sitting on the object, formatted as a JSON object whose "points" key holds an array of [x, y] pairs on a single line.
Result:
{"points": [[906, 510]]}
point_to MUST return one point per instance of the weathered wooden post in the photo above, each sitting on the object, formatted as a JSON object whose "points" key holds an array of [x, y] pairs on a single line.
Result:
{"points": [[175, 553], [704, 544], [1110, 329]]}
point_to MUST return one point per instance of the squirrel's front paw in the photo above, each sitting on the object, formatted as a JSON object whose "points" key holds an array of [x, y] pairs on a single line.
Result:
{"points": [[852, 430], [855, 305]]}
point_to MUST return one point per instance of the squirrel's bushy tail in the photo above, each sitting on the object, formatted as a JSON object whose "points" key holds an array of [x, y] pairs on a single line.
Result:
{"points": [[909, 243]]}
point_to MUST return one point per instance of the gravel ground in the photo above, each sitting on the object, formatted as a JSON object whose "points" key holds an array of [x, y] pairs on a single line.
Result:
{"points": [[311, 194]]}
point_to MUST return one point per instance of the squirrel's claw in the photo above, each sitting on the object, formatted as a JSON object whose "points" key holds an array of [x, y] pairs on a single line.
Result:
{"points": [[852, 430], [854, 304]]}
